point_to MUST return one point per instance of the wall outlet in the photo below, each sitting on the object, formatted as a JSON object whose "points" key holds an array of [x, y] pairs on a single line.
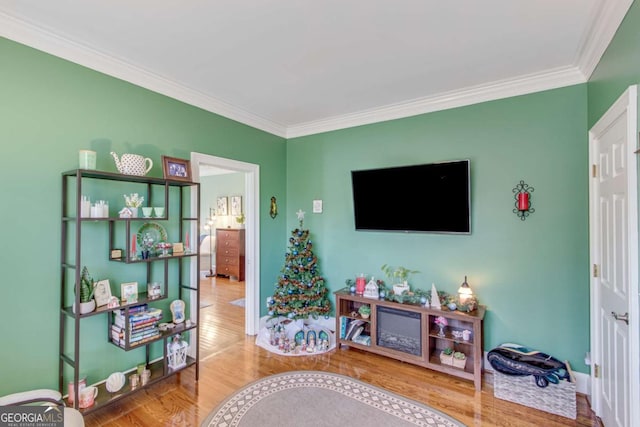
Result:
{"points": [[317, 206]]}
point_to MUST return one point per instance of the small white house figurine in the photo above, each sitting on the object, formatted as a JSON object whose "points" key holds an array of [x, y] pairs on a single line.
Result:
{"points": [[371, 290], [113, 302], [126, 213], [435, 299]]}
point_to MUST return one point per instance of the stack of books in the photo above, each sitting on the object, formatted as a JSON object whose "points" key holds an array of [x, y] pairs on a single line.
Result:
{"points": [[352, 329], [142, 327]]}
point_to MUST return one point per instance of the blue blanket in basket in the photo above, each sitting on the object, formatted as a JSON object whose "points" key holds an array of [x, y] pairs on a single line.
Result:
{"points": [[514, 359]]}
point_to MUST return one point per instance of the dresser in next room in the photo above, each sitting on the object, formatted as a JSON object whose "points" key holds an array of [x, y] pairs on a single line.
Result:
{"points": [[230, 253]]}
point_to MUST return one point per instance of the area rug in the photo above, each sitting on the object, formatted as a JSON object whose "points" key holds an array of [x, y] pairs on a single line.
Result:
{"points": [[239, 302], [314, 398]]}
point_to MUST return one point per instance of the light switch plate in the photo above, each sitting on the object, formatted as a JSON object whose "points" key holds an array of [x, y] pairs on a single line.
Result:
{"points": [[317, 206]]}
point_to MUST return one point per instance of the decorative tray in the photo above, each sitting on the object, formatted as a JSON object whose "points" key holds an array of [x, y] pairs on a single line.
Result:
{"points": [[151, 233]]}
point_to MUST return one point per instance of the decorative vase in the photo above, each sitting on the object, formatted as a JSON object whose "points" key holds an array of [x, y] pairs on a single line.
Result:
{"points": [[361, 283], [115, 382], [399, 288], [441, 331], [134, 212], [86, 307]]}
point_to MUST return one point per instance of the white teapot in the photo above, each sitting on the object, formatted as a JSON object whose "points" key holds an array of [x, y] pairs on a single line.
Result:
{"points": [[132, 164]]}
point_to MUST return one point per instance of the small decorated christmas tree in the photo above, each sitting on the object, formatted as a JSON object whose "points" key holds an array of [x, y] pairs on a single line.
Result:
{"points": [[300, 291]]}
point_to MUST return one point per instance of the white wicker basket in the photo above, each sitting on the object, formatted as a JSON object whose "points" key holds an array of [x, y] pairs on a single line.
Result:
{"points": [[559, 399], [177, 354]]}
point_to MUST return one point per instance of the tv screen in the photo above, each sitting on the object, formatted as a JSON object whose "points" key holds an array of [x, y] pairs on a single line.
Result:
{"points": [[431, 198]]}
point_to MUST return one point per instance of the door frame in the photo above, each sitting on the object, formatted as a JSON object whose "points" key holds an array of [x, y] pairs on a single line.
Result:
{"points": [[252, 230], [626, 104]]}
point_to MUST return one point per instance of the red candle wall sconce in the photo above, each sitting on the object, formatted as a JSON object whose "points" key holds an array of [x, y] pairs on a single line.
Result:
{"points": [[522, 195]]}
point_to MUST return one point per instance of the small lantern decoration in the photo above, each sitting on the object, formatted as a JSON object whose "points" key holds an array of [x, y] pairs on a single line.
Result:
{"points": [[177, 353], [466, 300], [522, 195]]}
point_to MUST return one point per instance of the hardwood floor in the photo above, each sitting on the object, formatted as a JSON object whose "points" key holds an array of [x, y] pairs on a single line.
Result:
{"points": [[231, 360]]}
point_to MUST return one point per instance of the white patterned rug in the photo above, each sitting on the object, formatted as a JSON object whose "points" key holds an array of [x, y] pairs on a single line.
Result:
{"points": [[314, 398], [239, 302]]}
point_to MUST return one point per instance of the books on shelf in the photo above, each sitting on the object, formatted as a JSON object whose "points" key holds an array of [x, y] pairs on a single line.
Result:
{"points": [[362, 339], [133, 310], [350, 328], [137, 319], [139, 327]]}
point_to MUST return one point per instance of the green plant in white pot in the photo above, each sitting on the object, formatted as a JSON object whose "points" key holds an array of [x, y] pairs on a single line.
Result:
{"points": [[240, 220], [365, 311], [399, 278], [87, 303], [459, 359]]}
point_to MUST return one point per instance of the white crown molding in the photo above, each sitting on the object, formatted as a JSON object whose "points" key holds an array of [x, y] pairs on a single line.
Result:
{"points": [[605, 23], [546, 80], [46, 41], [603, 26]]}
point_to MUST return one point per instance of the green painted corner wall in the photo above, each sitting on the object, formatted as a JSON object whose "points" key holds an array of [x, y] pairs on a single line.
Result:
{"points": [[225, 185], [618, 68], [49, 109], [532, 275]]}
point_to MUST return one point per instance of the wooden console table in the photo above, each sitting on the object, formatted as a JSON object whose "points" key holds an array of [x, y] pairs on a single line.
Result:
{"points": [[425, 348]]}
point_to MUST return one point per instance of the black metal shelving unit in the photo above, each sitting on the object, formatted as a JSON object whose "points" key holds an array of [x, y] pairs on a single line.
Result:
{"points": [[71, 221]]}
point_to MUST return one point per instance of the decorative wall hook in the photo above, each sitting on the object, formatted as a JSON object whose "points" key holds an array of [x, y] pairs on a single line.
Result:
{"points": [[273, 208], [522, 195]]}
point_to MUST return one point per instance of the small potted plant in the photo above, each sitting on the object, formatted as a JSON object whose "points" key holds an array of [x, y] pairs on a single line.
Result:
{"points": [[446, 356], [365, 311], [399, 277], [459, 360], [240, 220], [87, 303]]}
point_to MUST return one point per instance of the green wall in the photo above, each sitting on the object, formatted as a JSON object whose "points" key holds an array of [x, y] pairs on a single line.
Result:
{"points": [[618, 68], [226, 185], [49, 109], [533, 274]]}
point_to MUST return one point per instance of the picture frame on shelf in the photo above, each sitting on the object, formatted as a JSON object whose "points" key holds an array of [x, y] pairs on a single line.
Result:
{"points": [[236, 205], [176, 169], [222, 206], [129, 292], [177, 311], [102, 292], [154, 290], [115, 254]]}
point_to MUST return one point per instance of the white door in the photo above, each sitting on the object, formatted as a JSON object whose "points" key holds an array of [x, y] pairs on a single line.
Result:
{"points": [[614, 256]]}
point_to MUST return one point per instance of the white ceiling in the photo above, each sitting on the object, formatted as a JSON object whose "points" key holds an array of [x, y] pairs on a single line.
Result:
{"points": [[297, 67]]}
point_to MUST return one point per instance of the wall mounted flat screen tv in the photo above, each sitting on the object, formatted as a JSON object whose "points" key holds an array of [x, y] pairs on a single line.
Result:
{"points": [[430, 198]]}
